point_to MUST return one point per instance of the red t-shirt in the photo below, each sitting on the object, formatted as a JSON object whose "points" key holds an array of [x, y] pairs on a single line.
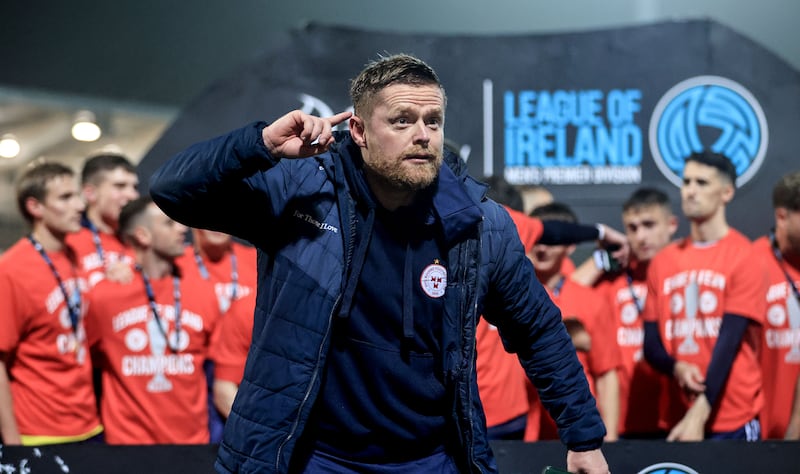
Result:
{"points": [[639, 383], [501, 379], [529, 228], [221, 273], [49, 369], [590, 309], [780, 346], [89, 258], [690, 287], [152, 394], [231, 340]]}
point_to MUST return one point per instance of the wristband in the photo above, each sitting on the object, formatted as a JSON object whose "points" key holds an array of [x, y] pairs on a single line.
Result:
{"points": [[601, 231]]}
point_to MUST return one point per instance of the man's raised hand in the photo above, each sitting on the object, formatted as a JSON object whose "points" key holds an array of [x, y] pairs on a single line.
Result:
{"points": [[299, 135]]}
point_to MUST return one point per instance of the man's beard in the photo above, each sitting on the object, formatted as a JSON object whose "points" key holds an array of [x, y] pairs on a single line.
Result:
{"points": [[401, 175]]}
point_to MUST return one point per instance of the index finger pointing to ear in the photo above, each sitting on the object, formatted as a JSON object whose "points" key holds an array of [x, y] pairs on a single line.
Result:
{"points": [[339, 118]]}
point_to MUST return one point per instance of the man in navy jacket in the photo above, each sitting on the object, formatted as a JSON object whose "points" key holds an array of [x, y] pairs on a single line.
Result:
{"points": [[375, 262]]}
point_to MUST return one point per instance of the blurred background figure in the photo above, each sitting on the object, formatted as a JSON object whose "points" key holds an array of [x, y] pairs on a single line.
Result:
{"points": [[588, 320], [780, 348], [109, 182], [649, 225], [151, 337], [703, 314], [46, 394]]}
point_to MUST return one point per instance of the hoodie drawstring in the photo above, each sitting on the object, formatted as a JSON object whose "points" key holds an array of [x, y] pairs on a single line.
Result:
{"points": [[357, 265], [408, 295]]}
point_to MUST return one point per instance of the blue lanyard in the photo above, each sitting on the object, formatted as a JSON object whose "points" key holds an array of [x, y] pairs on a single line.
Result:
{"points": [[73, 301], [176, 292], [234, 271], [96, 239], [559, 286], [636, 300]]}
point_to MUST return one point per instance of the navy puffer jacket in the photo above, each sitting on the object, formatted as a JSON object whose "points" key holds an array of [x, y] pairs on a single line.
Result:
{"points": [[299, 214]]}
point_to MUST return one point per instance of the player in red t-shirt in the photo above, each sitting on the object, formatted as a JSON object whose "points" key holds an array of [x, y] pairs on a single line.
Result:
{"points": [[780, 346], [151, 337], [109, 182], [229, 265], [46, 394], [588, 319], [231, 268], [229, 346], [649, 224], [704, 309]]}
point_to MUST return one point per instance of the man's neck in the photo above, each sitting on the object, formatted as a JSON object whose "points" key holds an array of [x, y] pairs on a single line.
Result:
{"points": [[390, 198], [98, 222], [709, 230], [153, 265], [51, 241], [214, 253], [550, 280]]}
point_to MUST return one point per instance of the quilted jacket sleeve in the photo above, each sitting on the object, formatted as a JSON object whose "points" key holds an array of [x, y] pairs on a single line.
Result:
{"points": [[530, 325], [223, 184]]}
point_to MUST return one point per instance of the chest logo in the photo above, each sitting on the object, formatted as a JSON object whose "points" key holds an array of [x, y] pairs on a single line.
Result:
{"points": [[434, 280]]}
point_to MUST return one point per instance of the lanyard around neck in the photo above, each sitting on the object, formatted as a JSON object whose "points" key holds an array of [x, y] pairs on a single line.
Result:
{"points": [[176, 292], [74, 300], [234, 271], [636, 300], [96, 240]]}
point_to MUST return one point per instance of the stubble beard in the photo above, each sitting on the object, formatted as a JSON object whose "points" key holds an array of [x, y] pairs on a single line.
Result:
{"points": [[403, 176]]}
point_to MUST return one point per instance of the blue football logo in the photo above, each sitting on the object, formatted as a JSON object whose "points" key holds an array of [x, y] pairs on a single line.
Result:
{"points": [[708, 112], [667, 468]]}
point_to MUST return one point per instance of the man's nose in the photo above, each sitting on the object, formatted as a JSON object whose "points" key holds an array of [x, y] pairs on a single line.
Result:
{"points": [[422, 134]]}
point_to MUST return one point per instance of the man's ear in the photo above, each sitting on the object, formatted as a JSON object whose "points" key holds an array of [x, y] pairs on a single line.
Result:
{"points": [[357, 131], [728, 193], [672, 225], [781, 214], [571, 249], [89, 192], [142, 236], [34, 207]]}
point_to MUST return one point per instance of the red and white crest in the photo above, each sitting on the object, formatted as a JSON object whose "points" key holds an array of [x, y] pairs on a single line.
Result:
{"points": [[434, 280]]}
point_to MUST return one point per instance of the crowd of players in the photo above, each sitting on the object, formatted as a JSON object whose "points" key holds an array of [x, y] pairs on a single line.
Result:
{"points": [[114, 329]]}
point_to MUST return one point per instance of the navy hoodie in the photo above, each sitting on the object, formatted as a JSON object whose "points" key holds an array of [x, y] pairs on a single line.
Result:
{"points": [[383, 396]]}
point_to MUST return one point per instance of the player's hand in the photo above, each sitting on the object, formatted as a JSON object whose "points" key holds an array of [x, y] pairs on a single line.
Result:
{"points": [[689, 377], [614, 238], [692, 425], [299, 135], [587, 462]]}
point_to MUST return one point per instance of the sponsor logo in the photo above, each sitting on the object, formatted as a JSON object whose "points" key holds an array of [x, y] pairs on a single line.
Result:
{"points": [[311, 220], [708, 112], [561, 136]]}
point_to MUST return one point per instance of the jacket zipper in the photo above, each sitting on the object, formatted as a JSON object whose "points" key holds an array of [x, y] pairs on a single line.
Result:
{"points": [[323, 344], [314, 376]]}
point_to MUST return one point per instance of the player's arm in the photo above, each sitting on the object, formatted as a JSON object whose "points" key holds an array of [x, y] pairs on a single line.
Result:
{"points": [[793, 429], [692, 425], [224, 393], [9, 433], [608, 399]]}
